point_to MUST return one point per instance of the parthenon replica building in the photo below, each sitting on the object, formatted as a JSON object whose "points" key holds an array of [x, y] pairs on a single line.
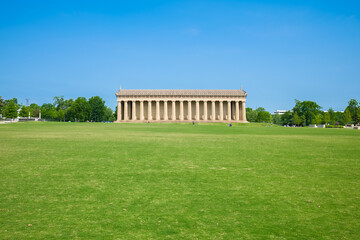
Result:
{"points": [[181, 105]]}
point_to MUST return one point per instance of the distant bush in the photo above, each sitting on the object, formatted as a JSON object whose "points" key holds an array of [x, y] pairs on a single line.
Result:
{"points": [[334, 126]]}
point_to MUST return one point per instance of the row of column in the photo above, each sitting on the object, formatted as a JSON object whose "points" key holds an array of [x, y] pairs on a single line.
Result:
{"points": [[173, 113]]}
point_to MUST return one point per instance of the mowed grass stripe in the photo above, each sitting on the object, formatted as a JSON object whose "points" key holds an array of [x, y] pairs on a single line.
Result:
{"points": [[171, 181]]}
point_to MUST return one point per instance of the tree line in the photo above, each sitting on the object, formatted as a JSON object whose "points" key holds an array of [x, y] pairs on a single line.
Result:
{"points": [[61, 109], [307, 112], [94, 109]]}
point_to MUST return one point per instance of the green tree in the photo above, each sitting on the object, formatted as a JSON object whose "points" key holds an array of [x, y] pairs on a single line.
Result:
{"points": [[347, 116], [48, 111], [59, 103], [24, 111], [10, 110], [97, 106], [14, 100], [318, 118], [327, 117], [35, 113], [276, 119], [309, 109], [260, 109], [358, 115], [79, 111], [115, 113], [338, 118], [251, 115], [62, 106], [67, 104], [332, 116], [296, 119], [2, 104], [303, 120], [263, 115], [353, 106], [34, 110], [287, 118], [61, 115], [109, 115]]}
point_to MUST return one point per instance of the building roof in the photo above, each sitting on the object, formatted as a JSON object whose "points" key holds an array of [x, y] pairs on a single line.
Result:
{"points": [[181, 92]]}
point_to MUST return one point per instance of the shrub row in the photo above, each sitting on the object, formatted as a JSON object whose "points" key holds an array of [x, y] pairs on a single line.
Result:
{"points": [[334, 126]]}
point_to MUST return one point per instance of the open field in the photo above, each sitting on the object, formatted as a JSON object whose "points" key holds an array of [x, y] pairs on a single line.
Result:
{"points": [[178, 181]]}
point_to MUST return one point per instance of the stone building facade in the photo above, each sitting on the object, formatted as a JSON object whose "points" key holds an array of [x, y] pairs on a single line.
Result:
{"points": [[181, 105]]}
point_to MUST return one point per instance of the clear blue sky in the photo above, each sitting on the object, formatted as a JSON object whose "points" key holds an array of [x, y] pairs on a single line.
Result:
{"points": [[277, 51]]}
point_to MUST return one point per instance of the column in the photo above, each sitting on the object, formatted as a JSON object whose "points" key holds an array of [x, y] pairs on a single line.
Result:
{"points": [[221, 111], [205, 110], [173, 116], [133, 110], [189, 111], [119, 111], [243, 111], [181, 110], [126, 116], [157, 110], [165, 111], [229, 110], [149, 111], [213, 110], [197, 117], [237, 111], [141, 110]]}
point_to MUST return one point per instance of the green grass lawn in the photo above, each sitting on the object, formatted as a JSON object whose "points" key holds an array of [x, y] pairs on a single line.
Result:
{"points": [[178, 181]]}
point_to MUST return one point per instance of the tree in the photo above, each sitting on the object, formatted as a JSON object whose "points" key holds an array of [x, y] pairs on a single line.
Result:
{"points": [[79, 111], [251, 115], [309, 109], [2, 104], [358, 115], [353, 107], [60, 115], [68, 103], [109, 115], [59, 102], [318, 118], [48, 111], [115, 113], [347, 116], [287, 118], [10, 110], [296, 119], [327, 117], [303, 120], [260, 109], [97, 106], [332, 116], [263, 115], [34, 110], [24, 111], [338, 118], [14, 100], [277, 119]]}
